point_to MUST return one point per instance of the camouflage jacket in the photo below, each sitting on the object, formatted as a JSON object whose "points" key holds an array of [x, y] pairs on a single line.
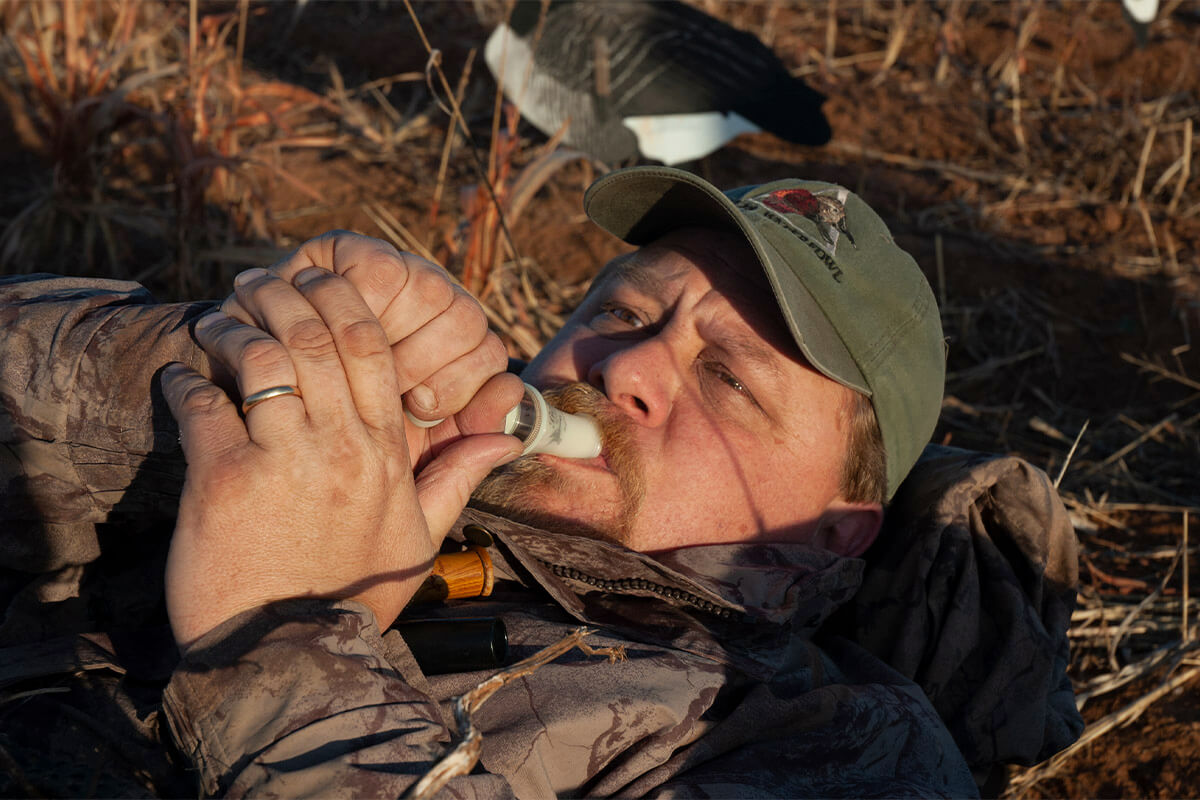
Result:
{"points": [[750, 670]]}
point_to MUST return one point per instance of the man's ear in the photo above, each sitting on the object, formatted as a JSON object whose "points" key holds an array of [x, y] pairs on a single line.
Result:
{"points": [[848, 529]]}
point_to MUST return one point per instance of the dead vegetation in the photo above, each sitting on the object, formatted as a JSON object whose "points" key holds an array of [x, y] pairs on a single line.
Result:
{"points": [[463, 757], [1039, 166]]}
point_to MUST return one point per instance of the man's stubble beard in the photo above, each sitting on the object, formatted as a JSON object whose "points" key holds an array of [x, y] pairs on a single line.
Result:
{"points": [[513, 491]]}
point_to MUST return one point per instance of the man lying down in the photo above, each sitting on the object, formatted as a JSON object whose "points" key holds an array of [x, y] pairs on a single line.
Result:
{"points": [[797, 614]]}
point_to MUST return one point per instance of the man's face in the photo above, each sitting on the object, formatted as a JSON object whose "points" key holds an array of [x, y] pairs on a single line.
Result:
{"points": [[716, 429]]}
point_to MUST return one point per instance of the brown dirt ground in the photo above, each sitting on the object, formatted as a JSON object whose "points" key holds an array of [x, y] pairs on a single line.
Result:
{"points": [[1049, 270]]}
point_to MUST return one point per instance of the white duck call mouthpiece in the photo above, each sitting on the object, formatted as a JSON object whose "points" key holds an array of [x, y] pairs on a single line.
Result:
{"points": [[545, 429]]}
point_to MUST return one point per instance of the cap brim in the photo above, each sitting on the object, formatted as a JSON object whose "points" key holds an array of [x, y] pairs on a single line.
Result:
{"points": [[641, 204]]}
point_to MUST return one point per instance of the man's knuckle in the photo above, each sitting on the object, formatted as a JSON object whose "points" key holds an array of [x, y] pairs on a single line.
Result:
{"points": [[494, 351], [200, 399], [381, 253], [415, 263], [318, 285], [379, 272], [362, 338], [375, 276], [431, 290], [311, 338], [468, 319], [263, 353]]}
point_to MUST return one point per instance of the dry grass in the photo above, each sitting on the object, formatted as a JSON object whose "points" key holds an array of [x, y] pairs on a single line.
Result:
{"points": [[163, 150], [1024, 150]]}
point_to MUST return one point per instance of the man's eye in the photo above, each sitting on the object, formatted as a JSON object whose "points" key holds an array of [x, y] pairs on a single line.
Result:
{"points": [[621, 314], [718, 371]]}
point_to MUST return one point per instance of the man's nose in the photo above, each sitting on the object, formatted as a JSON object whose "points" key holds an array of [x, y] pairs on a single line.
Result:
{"points": [[642, 379]]}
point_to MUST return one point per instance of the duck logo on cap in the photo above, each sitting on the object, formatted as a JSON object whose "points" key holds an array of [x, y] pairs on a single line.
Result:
{"points": [[826, 210]]}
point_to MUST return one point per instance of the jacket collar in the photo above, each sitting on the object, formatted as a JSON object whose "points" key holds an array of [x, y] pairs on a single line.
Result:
{"points": [[739, 604]]}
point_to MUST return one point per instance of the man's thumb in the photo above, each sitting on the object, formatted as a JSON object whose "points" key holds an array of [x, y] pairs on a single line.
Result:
{"points": [[445, 484]]}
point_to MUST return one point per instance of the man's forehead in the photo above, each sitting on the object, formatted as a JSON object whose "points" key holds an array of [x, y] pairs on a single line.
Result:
{"points": [[725, 257]]}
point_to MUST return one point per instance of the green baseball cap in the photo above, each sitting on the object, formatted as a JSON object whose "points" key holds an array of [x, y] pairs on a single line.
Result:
{"points": [[857, 305]]}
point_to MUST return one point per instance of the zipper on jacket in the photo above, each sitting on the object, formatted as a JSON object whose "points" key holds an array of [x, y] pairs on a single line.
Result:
{"points": [[625, 584]]}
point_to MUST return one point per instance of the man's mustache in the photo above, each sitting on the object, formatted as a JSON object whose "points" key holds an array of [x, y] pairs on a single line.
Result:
{"points": [[616, 432], [583, 398]]}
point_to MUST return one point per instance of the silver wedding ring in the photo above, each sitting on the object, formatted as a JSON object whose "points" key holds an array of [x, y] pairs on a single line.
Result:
{"points": [[266, 394]]}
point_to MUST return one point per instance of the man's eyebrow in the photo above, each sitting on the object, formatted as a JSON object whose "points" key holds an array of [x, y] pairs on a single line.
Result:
{"points": [[630, 269], [751, 350]]}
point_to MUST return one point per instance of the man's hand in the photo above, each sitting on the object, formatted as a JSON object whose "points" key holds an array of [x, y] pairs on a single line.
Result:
{"points": [[313, 493], [441, 345]]}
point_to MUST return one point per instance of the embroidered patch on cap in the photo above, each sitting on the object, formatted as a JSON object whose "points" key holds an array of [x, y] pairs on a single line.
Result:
{"points": [[827, 210]]}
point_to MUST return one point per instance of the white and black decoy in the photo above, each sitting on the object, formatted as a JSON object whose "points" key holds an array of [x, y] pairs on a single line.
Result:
{"points": [[1140, 13], [651, 78]]}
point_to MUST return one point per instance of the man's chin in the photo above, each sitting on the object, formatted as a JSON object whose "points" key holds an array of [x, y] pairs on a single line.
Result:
{"points": [[525, 491]]}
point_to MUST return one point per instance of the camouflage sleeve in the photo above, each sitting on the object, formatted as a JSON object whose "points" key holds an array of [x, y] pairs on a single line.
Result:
{"points": [[297, 700], [84, 425]]}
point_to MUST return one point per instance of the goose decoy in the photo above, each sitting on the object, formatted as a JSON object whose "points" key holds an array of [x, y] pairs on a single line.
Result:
{"points": [[1140, 13], [650, 78]]}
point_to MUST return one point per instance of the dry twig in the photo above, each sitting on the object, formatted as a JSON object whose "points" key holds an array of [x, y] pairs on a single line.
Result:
{"points": [[462, 758], [1026, 780]]}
